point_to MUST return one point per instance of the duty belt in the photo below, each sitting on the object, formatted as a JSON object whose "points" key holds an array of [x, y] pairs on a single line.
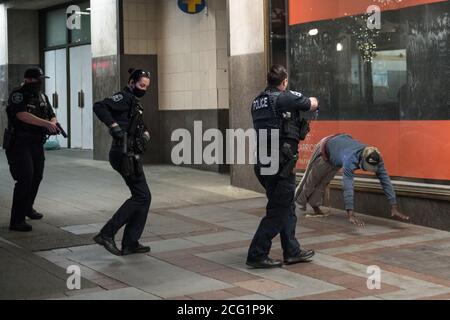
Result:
{"points": [[29, 136]]}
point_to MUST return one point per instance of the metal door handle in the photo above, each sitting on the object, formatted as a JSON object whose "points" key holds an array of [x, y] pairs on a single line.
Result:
{"points": [[81, 99], [55, 100]]}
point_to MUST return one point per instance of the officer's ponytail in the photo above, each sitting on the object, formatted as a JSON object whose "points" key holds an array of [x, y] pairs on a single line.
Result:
{"points": [[137, 74]]}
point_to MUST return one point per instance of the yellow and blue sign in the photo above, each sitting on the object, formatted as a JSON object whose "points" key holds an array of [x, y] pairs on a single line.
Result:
{"points": [[192, 6]]}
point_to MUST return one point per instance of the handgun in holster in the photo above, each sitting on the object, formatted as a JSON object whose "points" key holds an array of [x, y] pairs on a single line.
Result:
{"points": [[131, 163], [8, 138], [288, 161]]}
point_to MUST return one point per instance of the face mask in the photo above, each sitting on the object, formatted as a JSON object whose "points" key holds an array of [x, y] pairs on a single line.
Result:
{"points": [[139, 92], [34, 86]]}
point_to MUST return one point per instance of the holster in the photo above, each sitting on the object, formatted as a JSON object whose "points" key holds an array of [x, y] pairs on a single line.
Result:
{"points": [[138, 167], [288, 161], [7, 139], [132, 166]]}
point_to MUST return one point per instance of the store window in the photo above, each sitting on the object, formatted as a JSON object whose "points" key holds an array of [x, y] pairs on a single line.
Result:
{"points": [[387, 86]]}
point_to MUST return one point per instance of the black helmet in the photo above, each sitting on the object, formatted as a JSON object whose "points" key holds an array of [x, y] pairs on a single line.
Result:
{"points": [[35, 73]]}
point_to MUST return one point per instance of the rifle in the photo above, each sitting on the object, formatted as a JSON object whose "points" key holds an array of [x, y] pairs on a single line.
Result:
{"points": [[128, 158], [132, 163], [136, 130]]}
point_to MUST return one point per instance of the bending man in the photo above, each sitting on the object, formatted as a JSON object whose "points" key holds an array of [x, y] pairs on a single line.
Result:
{"points": [[337, 152]]}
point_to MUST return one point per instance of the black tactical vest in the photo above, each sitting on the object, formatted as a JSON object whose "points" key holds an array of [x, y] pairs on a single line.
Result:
{"points": [[36, 104], [267, 116], [264, 111]]}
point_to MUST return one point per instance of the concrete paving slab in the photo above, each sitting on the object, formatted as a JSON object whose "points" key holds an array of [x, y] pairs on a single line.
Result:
{"points": [[171, 245], [220, 237], [146, 273], [194, 220], [24, 275]]}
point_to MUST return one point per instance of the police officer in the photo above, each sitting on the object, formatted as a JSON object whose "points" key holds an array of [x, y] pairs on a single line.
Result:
{"points": [[122, 113], [278, 108], [30, 119]]}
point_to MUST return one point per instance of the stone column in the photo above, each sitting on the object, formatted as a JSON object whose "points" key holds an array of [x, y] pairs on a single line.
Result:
{"points": [[247, 73], [105, 64]]}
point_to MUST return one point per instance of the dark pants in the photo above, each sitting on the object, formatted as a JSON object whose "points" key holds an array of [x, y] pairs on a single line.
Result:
{"points": [[280, 218], [133, 213], [26, 164]]}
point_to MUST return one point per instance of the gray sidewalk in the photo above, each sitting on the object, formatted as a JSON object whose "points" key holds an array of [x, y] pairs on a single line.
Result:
{"points": [[199, 229]]}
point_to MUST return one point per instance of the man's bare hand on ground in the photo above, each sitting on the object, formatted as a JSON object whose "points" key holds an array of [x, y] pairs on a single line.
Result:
{"points": [[353, 220]]}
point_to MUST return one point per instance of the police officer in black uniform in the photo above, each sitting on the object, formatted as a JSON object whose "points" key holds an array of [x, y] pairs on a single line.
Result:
{"points": [[278, 108], [122, 113], [30, 120]]}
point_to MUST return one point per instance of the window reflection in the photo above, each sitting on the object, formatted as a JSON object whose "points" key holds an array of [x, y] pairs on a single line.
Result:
{"points": [[389, 87]]}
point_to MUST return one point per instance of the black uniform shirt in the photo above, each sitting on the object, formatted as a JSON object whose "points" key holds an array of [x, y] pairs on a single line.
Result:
{"points": [[25, 99], [116, 109], [291, 101]]}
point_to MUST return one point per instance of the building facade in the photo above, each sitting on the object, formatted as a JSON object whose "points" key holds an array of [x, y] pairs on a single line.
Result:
{"points": [[380, 69]]}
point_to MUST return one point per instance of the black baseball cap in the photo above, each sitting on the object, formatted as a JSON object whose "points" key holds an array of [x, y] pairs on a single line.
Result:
{"points": [[35, 73], [371, 158]]}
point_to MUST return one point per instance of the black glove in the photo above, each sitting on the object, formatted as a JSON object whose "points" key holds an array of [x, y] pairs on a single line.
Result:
{"points": [[146, 137], [117, 133], [142, 142]]}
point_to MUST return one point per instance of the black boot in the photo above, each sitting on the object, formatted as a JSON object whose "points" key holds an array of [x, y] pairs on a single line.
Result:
{"points": [[34, 215], [302, 256], [108, 243], [265, 264], [132, 250]]}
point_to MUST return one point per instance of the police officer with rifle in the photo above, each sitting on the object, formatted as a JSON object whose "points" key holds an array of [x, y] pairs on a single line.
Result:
{"points": [[277, 108], [31, 120], [122, 114]]}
